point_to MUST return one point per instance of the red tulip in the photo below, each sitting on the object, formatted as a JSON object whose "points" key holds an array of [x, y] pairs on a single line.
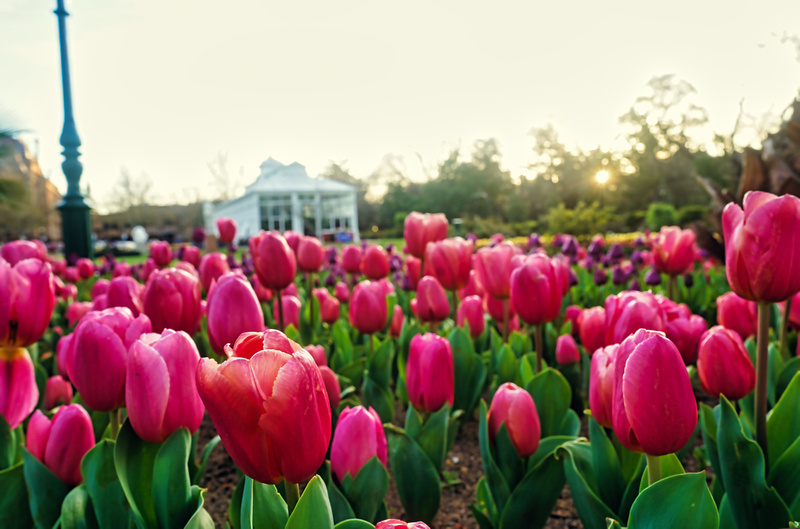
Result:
{"points": [[471, 311], [571, 315], [368, 308], [398, 318], [420, 229], [291, 310], [375, 263], [100, 287], [351, 259], [100, 303], [429, 372], [342, 292], [493, 267], [227, 230], [685, 333], [473, 288], [292, 239], [332, 387], [629, 311], [250, 343], [738, 314], [85, 268], [172, 301], [263, 294], [562, 271], [723, 365], [450, 261], [759, 246], [567, 350], [317, 352], [536, 291], [121, 268], [654, 408], [62, 355], [161, 253], [18, 391], [57, 391], [125, 291], [60, 444], [673, 250], [16, 251], [273, 259], [191, 254], [160, 388], [309, 254], [232, 309], [71, 274], [27, 298], [432, 304], [358, 438], [601, 385], [271, 411], [514, 407], [394, 523], [328, 305], [413, 268], [77, 310], [212, 266]]}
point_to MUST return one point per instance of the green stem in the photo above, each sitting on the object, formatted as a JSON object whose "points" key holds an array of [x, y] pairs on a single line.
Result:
{"points": [[539, 347], [454, 309], [421, 268], [280, 311], [310, 295], [762, 366], [653, 468], [114, 421], [292, 494], [505, 320], [785, 328], [371, 346], [672, 288]]}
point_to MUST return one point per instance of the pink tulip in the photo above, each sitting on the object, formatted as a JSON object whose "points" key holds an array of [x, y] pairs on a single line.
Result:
{"points": [[473, 288], [16, 251], [332, 387], [212, 266], [567, 350], [27, 298], [57, 391], [250, 343], [161, 253], [759, 246], [375, 263], [420, 229], [723, 365], [429, 372], [673, 250], [495, 308], [191, 254], [273, 259], [147, 270], [232, 309], [630, 311], [85, 268], [601, 385], [432, 303], [71, 275], [317, 352], [351, 259], [121, 268], [358, 438], [172, 301], [342, 292], [100, 287], [309, 254], [471, 311], [514, 407], [738, 314], [291, 310], [493, 267], [654, 408], [125, 291], [270, 430], [536, 291], [161, 388], [60, 444], [18, 391], [328, 305], [398, 318], [292, 239], [62, 355], [571, 315], [263, 294], [685, 333], [394, 523], [77, 310], [368, 308], [450, 261], [227, 230]]}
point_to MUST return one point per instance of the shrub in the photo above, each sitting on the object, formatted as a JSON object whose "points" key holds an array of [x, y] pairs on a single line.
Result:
{"points": [[661, 214], [585, 219]]}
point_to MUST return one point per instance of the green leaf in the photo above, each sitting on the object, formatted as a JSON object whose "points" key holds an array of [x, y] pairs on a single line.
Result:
{"points": [[670, 466], [591, 509], [379, 397], [312, 510], [200, 519], [46, 492], [343, 347], [606, 466], [495, 480], [786, 374], [269, 509], [520, 343], [432, 439], [708, 425], [203, 462], [102, 484], [783, 423], [354, 524], [469, 372], [783, 476], [753, 504], [14, 510], [485, 510], [533, 499], [775, 364], [339, 505], [416, 478], [76, 510], [8, 444], [367, 490], [506, 365], [552, 395], [511, 464], [134, 459], [172, 493], [682, 501]]}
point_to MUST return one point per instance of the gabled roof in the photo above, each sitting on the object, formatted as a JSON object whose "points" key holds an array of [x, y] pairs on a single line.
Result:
{"points": [[277, 178]]}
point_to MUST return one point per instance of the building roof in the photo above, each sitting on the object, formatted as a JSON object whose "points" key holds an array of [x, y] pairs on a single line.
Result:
{"points": [[277, 178]]}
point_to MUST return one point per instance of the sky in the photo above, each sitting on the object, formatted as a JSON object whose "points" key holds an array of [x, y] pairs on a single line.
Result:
{"points": [[160, 87]]}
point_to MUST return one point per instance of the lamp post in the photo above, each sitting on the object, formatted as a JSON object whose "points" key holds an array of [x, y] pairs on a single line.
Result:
{"points": [[76, 226]]}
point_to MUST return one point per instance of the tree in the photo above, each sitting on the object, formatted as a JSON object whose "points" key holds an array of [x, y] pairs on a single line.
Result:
{"points": [[130, 194], [225, 187], [367, 211]]}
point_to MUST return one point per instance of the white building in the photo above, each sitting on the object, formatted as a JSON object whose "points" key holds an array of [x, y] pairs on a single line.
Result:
{"points": [[283, 198]]}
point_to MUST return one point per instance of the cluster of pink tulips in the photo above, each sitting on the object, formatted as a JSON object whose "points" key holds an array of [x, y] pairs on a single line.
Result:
{"points": [[302, 356]]}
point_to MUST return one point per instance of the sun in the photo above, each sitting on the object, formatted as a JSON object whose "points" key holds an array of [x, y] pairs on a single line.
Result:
{"points": [[601, 176]]}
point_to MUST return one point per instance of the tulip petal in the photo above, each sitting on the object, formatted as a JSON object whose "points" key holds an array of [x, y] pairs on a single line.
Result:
{"points": [[185, 408], [147, 390], [98, 366], [37, 434], [18, 391], [71, 436]]}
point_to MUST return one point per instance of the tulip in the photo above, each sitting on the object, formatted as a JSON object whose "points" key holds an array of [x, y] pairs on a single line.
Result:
{"points": [[19, 250], [450, 261], [567, 350], [470, 311], [60, 444], [420, 229], [601, 384], [125, 291], [77, 310], [227, 230], [723, 365], [161, 253], [332, 387], [536, 291], [328, 305], [27, 298], [652, 277], [71, 275], [18, 391], [57, 391], [191, 254], [630, 311], [342, 292], [273, 259], [654, 410], [232, 309], [358, 438], [737, 314], [62, 354], [514, 407], [85, 268], [432, 304], [161, 388], [398, 318], [368, 307], [309, 254], [212, 266], [100, 303], [493, 268], [375, 263], [317, 352], [394, 523], [290, 309], [673, 250], [270, 429], [351, 259], [100, 287], [250, 343], [121, 269], [473, 288], [571, 315], [429, 372], [172, 301], [685, 333]]}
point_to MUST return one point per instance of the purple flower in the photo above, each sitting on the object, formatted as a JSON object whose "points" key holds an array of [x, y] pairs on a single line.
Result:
{"points": [[198, 236], [534, 241], [600, 276], [653, 277], [618, 276], [635, 285]]}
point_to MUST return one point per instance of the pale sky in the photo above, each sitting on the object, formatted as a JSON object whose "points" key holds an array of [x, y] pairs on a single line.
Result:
{"points": [[161, 86]]}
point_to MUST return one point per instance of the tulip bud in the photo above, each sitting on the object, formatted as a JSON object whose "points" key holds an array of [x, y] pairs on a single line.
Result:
{"points": [[85, 268], [514, 407], [450, 261], [375, 263], [328, 306], [161, 388], [368, 307], [432, 304], [654, 408], [685, 333], [737, 314], [398, 318], [161, 253], [332, 387], [100, 287], [652, 277], [351, 259], [342, 292], [270, 430], [630, 311], [172, 301], [60, 444], [429, 372], [19, 250], [394, 523], [601, 384], [191, 254], [309, 254], [473, 288], [212, 266], [471, 311], [567, 350], [18, 391], [291, 310], [600, 276], [493, 267], [227, 230], [125, 291], [27, 298], [57, 391], [420, 229], [273, 259], [723, 365], [232, 309], [358, 438], [673, 250], [536, 291], [77, 310]]}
